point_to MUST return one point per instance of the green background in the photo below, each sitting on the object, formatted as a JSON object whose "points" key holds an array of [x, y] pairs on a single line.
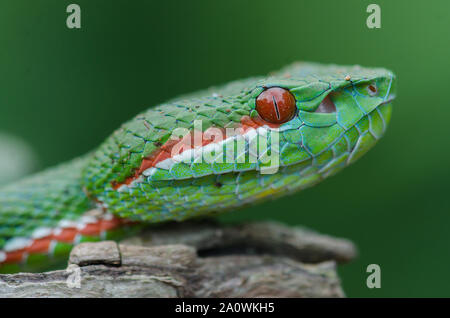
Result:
{"points": [[64, 91]]}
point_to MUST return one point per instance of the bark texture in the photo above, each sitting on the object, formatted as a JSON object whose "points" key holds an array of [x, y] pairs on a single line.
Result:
{"points": [[197, 259]]}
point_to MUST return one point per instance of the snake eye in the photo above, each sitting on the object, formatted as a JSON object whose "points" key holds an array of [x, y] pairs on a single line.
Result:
{"points": [[372, 89], [276, 105]]}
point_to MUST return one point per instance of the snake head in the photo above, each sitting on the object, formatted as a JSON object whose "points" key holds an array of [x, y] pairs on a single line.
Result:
{"points": [[241, 143], [340, 113]]}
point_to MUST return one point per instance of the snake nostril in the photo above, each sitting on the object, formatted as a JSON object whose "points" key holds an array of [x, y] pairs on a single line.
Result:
{"points": [[372, 89], [326, 106]]}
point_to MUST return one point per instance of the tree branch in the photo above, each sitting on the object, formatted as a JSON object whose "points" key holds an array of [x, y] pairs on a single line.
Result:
{"points": [[197, 259]]}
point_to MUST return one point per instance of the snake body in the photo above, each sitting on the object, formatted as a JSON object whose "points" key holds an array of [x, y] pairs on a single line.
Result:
{"points": [[152, 169]]}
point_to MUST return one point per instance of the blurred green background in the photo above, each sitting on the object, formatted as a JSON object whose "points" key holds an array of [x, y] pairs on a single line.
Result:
{"points": [[64, 91]]}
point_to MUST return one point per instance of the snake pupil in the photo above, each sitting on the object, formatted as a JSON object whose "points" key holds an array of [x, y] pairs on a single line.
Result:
{"points": [[276, 105]]}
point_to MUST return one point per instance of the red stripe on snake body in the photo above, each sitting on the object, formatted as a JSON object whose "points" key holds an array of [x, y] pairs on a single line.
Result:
{"points": [[166, 150], [65, 235]]}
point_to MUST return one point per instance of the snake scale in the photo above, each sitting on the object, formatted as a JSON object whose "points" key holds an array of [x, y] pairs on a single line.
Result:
{"points": [[208, 152]]}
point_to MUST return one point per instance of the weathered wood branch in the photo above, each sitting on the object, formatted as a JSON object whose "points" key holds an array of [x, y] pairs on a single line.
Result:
{"points": [[197, 259]]}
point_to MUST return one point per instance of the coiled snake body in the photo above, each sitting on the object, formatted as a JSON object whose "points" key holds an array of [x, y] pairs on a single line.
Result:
{"points": [[211, 151]]}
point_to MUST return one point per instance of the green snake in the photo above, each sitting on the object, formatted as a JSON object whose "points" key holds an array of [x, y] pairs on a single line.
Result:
{"points": [[208, 152]]}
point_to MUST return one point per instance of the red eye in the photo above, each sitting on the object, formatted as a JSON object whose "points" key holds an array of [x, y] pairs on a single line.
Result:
{"points": [[276, 105]]}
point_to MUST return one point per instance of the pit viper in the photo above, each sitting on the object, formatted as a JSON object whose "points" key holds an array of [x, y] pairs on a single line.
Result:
{"points": [[212, 151]]}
